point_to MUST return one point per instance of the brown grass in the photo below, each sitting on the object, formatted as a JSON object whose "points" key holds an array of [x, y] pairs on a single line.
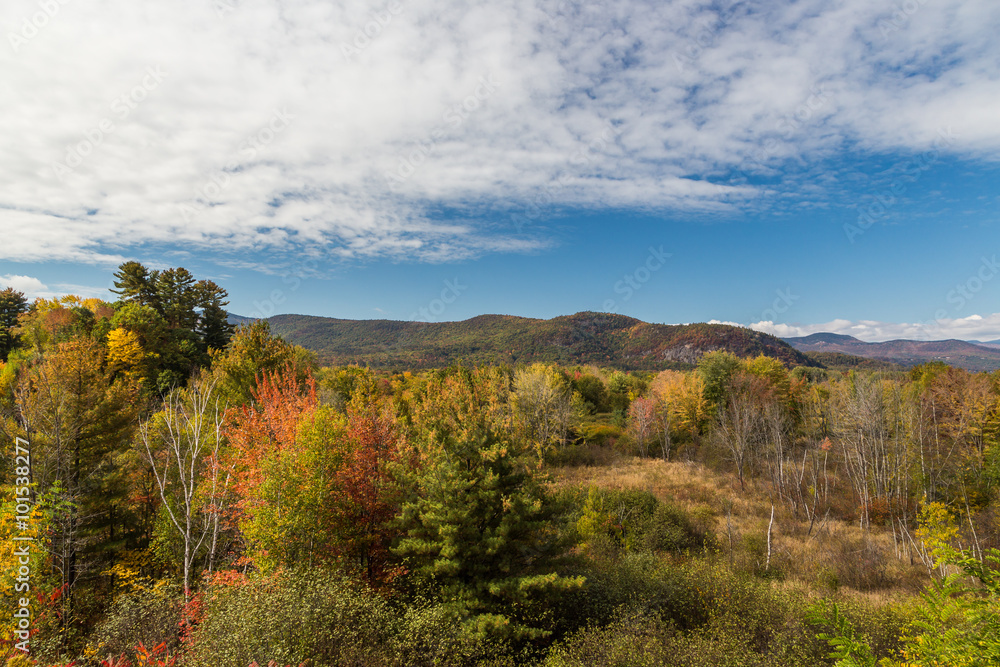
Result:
{"points": [[834, 555]]}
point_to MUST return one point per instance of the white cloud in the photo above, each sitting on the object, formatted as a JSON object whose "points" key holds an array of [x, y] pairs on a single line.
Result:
{"points": [[31, 287], [973, 327], [35, 288], [239, 126]]}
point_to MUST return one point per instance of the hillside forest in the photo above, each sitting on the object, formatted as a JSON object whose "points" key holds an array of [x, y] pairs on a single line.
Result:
{"points": [[177, 491]]}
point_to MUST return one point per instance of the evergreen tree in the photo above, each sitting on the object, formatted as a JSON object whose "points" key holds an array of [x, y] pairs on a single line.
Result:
{"points": [[478, 525], [12, 304], [178, 297], [136, 284], [178, 319], [213, 322]]}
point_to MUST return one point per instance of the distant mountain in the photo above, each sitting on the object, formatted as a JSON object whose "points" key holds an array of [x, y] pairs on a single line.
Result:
{"points": [[987, 343], [964, 354], [599, 338], [838, 361]]}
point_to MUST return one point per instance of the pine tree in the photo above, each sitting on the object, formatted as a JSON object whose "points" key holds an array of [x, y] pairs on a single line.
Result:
{"points": [[477, 524], [213, 321], [12, 304], [135, 284]]}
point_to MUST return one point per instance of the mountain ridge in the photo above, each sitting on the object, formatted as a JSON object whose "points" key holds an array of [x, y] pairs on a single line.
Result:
{"points": [[605, 339], [906, 352]]}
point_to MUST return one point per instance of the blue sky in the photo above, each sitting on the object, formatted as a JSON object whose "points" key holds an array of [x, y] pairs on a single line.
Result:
{"points": [[792, 166]]}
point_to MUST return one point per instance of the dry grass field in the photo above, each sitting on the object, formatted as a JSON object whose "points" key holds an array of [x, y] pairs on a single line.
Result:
{"points": [[826, 555]]}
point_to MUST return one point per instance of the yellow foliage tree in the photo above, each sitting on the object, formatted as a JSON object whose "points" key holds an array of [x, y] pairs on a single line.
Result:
{"points": [[125, 353], [937, 528], [681, 405]]}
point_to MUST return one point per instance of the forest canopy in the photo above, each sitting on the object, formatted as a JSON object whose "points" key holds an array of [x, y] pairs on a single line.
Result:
{"points": [[195, 494]]}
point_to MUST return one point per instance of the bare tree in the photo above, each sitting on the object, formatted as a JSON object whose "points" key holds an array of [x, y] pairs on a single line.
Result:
{"points": [[642, 422], [741, 423], [543, 406], [777, 433], [182, 445], [868, 426]]}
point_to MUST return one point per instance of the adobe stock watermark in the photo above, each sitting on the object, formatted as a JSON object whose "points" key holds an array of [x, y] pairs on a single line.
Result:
{"points": [[437, 307], [547, 196], [787, 125], [22, 544], [632, 282], [779, 306], [704, 39], [219, 181], [453, 117], [223, 7], [121, 108], [962, 294], [886, 199], [32, 26], [293, 280], [370, 31], [900, 16]]}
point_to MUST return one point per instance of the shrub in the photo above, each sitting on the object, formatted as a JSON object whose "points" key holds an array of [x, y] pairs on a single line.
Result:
{"points": [[697, 615], [634, 640], [143, 617], [321, 616], [637, 521], [290, 617], [672, 529]]}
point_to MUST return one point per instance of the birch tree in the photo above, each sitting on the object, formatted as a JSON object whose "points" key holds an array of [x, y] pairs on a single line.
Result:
{"points": [[181, 444]]}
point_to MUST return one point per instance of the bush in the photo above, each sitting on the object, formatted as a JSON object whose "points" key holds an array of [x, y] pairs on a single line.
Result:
{"points": [[147, 617], [324, 617], [634, 582], [636, 520], [636, 640], [674, 530], [700, 614], [290, 617], [432, 634]]}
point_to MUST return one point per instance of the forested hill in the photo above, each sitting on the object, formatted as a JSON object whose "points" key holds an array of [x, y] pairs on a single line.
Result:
{"points": [[599, 338]]}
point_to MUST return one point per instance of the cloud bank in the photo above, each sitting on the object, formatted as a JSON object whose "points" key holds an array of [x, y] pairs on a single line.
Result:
{"points": [[973, 327], [415, 130]]}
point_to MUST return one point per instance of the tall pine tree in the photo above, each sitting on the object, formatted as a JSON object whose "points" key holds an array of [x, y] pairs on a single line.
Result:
{"points": [[477, 523], [12, 304]]}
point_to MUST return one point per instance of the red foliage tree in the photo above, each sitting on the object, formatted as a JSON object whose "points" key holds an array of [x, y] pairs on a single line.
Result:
{"points": [[269, 424], [368, 501]]}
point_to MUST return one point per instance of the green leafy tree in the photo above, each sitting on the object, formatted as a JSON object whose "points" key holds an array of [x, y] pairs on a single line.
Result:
{"points": [[716, 370]]}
